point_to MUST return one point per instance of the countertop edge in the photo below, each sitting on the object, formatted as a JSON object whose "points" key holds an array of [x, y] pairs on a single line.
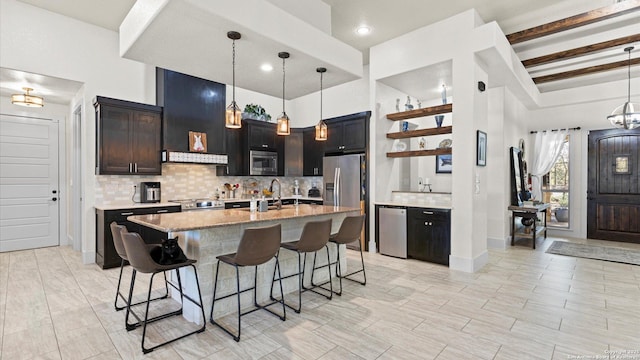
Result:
{"points": [[418, 205], [132, 205]]}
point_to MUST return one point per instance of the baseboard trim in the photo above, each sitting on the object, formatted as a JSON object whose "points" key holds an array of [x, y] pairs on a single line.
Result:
{"points": [[89, 257], [469, 265], [496, 243]]}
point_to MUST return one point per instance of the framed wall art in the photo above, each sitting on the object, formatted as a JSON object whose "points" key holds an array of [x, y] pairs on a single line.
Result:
{"points": [[443, 164], [197, 141]]}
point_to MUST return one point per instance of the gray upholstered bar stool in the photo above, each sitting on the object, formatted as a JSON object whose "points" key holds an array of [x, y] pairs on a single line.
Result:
{"points": [[349, 232], [116, 231], [257, 247], [141, 261], [314, 237]]}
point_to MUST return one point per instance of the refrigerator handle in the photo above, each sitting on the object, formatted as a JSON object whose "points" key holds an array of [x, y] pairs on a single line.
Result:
{"points": [[337, 192]]}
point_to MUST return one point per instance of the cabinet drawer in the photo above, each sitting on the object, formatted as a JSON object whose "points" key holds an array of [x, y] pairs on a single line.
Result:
{"points": [[428, 214], [237, 205]]}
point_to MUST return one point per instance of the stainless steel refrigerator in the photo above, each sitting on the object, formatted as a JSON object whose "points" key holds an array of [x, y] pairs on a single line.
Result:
{"points": [[344, 180]]}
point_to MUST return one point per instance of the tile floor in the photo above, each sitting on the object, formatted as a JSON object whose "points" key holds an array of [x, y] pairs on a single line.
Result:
{"points": [[525, 304]]}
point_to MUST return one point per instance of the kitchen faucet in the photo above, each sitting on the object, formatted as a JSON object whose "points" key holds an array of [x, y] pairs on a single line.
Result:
{"points": [[277, 203]]}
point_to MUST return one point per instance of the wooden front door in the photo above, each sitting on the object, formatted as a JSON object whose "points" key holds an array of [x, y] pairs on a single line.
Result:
{"points": [[613, 192]]}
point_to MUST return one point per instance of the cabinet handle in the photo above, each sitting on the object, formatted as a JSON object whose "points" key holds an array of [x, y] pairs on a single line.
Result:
{"points": [[235, 205], [265, 145], [135, 167], [162, 211], [126, 214], [130, 168], [428, 223], [428, 212]]}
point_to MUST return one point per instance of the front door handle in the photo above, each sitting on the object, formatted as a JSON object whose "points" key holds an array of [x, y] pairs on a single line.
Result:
{"points": [[54, 199]]}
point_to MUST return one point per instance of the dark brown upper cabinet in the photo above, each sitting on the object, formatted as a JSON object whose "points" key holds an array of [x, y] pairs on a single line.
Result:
{"points": [[128, 137], [313, 152], [191, 104], [347, 134]]}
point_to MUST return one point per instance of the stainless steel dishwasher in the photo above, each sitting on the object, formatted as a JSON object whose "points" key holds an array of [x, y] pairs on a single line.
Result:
{"points": [[392, 231]]}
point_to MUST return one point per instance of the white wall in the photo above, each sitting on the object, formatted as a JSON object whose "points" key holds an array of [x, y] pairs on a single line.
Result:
{"points": [[62, 47]]}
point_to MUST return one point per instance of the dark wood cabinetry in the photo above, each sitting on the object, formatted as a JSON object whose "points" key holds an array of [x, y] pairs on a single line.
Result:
{"points": [[106, 255], [347, 134], [429, 235], [254, 135], [128, 137], [313, 152], [191, 104], [293, 153]]}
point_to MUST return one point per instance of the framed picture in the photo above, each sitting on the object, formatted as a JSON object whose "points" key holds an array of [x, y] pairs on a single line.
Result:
{"points": [[443, 164], [197, 141], [481, 151]]}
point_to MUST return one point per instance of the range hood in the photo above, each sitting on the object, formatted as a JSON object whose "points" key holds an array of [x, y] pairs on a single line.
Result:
{"points": [[189, 36]]}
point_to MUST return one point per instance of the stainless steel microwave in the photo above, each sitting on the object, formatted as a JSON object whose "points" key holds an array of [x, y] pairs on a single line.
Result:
{"points": [[263, 163]]}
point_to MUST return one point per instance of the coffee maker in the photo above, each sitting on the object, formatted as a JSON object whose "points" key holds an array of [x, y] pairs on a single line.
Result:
{"points": [[150, 192]]}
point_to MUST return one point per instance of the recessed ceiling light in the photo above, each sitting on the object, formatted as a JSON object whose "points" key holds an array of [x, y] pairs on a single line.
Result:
{"points": [[266, 67], [363, 30]]}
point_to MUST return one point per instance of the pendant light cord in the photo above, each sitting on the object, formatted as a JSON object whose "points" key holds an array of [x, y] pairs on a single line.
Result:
{"points": [[629, 77], [321, 96], [283, 75], [233, 61]]}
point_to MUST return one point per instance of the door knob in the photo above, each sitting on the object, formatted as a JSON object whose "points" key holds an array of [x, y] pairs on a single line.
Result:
{"points": [[54, 199], [54, 192]]}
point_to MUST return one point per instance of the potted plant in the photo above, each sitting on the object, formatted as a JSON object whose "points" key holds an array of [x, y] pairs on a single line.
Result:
{"points": [[256, 112], [562, 211]]}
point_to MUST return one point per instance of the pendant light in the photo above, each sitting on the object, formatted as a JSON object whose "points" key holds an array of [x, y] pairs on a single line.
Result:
{"points": [[27, 99], [321, 127], [627, 115], [233, 115], [283, 119]]}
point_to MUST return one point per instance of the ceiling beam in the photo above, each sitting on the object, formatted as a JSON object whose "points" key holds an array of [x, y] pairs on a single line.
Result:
{"points": [[584, 71], [575, 21], [584, 50]]}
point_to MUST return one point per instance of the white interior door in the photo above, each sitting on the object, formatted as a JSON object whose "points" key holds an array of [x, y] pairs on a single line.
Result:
{"points": [[29, 209]]}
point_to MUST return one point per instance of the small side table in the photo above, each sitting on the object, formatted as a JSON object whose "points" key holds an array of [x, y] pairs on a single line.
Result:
{"points": [[528, 212]]}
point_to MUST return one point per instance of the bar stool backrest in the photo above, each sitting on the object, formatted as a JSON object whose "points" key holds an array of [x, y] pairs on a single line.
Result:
{"points": [[138, 254], [258, 245], [116, 232], [349, 229], [315, 235]]}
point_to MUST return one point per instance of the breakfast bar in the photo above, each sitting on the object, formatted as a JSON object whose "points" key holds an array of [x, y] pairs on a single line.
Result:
{"points": [[205, 234]]}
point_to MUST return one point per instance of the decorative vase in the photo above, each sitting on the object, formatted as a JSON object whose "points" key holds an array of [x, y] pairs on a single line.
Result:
{"points": [[439, 119], [408, 105]]}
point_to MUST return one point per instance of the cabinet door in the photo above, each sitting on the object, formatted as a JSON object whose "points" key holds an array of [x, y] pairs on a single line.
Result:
{"points": [[313, 153], [354, 132], [334, 138], [145, 130], [418, 235], [262, 136], [236, 165], [440, 246], [293, 153], [114, 145]]}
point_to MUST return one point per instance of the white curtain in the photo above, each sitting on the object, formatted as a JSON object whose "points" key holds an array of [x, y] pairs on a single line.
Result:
{"points": [[547, 150]]}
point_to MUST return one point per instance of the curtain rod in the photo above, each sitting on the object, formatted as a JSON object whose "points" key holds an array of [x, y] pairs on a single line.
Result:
{"points": [[573, 128]]}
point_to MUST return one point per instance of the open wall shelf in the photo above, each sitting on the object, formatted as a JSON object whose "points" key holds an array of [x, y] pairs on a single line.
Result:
{"points": [[416, 113], [432, 152], [420, 132]]}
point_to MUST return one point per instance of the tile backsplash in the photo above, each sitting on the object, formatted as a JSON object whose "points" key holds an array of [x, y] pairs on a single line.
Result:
{"points": [[422, 198], [188, 181]]}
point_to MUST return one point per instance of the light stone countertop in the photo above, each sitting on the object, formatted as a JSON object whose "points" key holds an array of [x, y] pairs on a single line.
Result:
{"points": [[416, 204], [203, 219], [133, 205], [269, 198]]}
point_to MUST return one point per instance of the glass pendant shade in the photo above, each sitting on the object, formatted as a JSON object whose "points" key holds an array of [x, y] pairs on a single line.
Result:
{"points": [[627, 115], [283, 125], [27, 99], [233, 116], [321, 131]]}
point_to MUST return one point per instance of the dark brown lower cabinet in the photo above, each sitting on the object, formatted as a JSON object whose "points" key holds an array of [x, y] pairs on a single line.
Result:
{"points": [[106, 255], [429, 234]]}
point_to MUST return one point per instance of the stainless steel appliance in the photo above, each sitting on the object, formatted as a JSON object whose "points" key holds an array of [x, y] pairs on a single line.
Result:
{"points": [[392, 231], [199, 204], [149, 192], [344, 180], [263, 163]]}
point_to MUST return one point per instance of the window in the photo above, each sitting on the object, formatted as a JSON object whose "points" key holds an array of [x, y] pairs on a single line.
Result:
{"points": [[555, 190]]}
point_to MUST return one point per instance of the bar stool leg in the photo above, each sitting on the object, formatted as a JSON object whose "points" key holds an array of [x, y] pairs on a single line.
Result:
{"points": [[284, 308], [237, 338]]}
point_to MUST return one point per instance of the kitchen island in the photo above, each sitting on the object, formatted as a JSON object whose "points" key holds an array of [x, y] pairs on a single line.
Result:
{"points": [[205, 234]]}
